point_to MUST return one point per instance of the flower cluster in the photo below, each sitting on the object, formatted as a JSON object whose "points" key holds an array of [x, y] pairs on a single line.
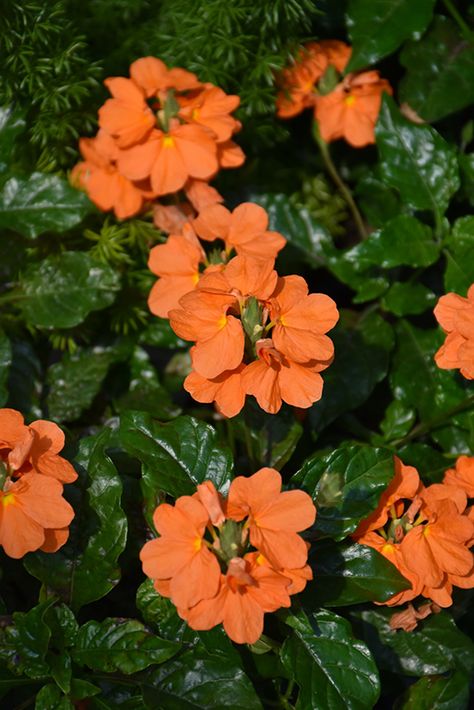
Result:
{"points": [[231, 560], [33, 513], [455, 315], [161, 132], [426, 532], [344, 106], [254, 333]]}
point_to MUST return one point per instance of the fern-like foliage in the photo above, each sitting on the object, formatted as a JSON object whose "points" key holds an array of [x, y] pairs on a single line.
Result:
{"points": [[46, 71]]}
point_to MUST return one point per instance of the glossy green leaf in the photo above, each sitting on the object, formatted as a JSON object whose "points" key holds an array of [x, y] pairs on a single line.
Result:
{"points": [[430, 462], [459, 253], [159, 334], [60, 291], [405, 299], [437, 693], [51, 698], [25, 380], [64, 627], [362, 348], [403, 240], [5, 362], [440, 71], [433, 392], [332, 668], [77, 378], [350, 574], [122, 645], [145, 391], [379, 27], [200, 678], [24, 642], [415, 160], [398, 420], [86, 568], [41, 203], [309, 238], [12, 124], [160, 614], [436, 646], [178, 455], [345, 485], [378, 202]]}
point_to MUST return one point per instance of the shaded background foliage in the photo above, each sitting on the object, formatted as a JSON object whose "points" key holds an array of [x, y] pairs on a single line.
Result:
{"points": [[78, 346]]}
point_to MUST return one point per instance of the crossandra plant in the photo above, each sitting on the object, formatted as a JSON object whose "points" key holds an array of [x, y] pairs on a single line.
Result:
{"points": [[236, 355]]}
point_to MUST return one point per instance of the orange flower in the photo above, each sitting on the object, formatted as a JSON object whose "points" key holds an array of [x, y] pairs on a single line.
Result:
{"points": [[301, 321], [246, 584], [462, 475], [405, 484], [244, 230], [32, 449], [455, 315], [33, 515], [247, 591], [211, 108], [99, 177], [170, 158], [180, 554], [177, 263], [298, 82], [274, 518], [273, 378], [226, 390], [153, 77], [230, 155], [127, 117], [219, 337], [351, 110]]}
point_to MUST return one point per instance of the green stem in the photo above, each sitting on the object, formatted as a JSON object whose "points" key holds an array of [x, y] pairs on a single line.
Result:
{"points": [[339, 182], [10, 296], [463, 26]]}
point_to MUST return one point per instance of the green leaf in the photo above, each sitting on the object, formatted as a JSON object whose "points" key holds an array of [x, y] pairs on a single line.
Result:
{"points": [[332, 668], [41, 203], [24, 644], [345, 485], [459, 274], [440, 71], [309, 238], [159, 334], [61, 291], [362, 353], [436, 646], [12, 124], [51, 698], [272, 440], [350, 574], [86, 568], [145, 391], [437, 693], [415, 160], [378, 28], [430, 462], [398, 420], [432, 392], [403, 240], [77, 378], [405, 299], [81, 689], [5, 362], [160, 614], [177, 455], [200, 678], [64, 627], [25, 380], [122, 645]]}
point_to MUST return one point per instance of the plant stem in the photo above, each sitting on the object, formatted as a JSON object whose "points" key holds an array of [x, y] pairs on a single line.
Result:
{"points": [[421, 429], [463, 26], [10, 296], [339, 182]]}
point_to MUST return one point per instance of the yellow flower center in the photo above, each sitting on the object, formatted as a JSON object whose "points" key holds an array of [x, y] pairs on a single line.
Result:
{"points": [[388, 549], [197, 544], [168, 142], [222, 322], [260, 560], [195, 114], [350, 100], [427, 530], [8, 499], [282, 321], [196, 278]]}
